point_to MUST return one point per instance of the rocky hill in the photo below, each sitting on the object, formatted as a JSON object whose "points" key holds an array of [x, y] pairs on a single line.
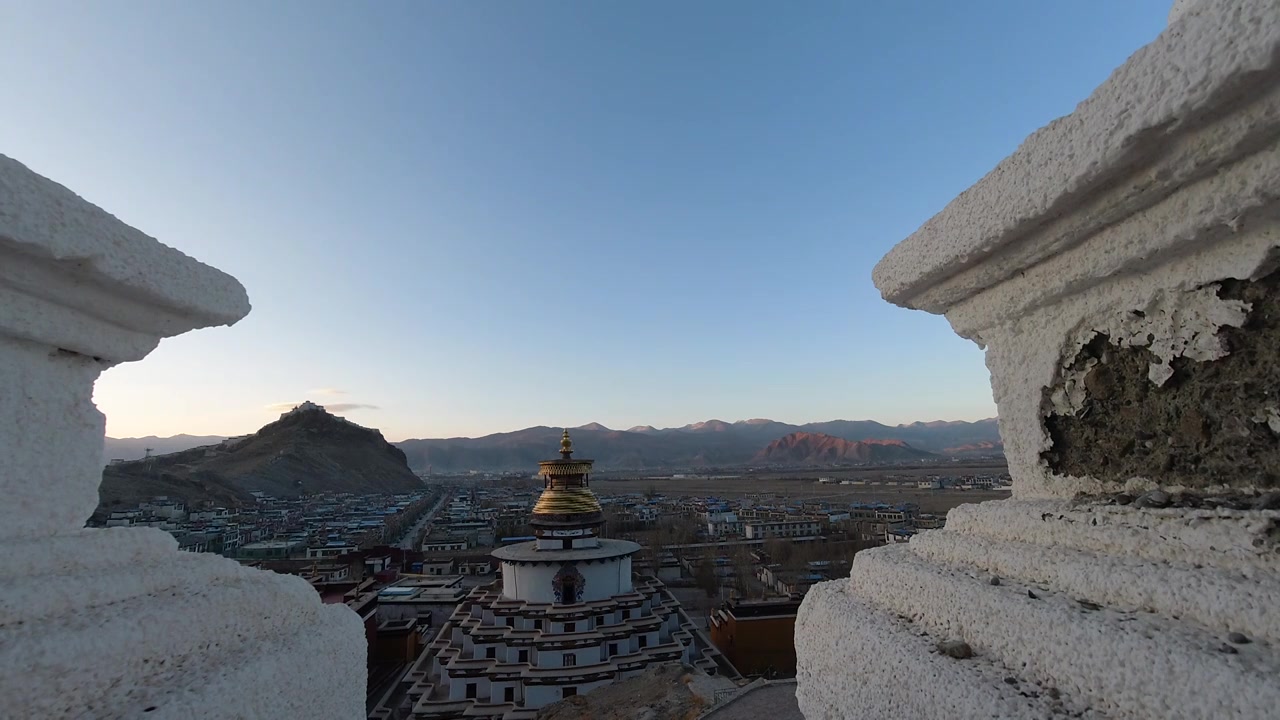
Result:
{"points": [[803, 448], [307, 450], [984, 447]]}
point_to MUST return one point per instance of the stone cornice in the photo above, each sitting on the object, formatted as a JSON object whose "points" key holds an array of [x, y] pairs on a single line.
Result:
{"points": [[74, 277], [1200, 98], [526, 553]]}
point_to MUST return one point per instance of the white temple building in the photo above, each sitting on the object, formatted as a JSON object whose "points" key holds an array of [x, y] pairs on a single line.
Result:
{"points": [[566, 618]]}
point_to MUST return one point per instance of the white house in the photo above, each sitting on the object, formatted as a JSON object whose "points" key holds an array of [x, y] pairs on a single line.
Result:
{"points": [[782, 529]]}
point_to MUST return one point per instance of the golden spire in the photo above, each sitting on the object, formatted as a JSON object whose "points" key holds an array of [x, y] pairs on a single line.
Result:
{"points": [[564, 491]]}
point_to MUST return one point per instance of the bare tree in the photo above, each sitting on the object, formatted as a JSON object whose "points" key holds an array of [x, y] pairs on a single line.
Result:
{"points": [[706, 578], [780, 551], [743, 571]]}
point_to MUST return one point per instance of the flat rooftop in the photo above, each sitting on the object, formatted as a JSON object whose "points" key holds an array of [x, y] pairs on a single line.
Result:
{"points": [[447, 595]]}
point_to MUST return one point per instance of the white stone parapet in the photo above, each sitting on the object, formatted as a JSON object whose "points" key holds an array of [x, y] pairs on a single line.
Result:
{"points": [[118, 623], [454, 658], [1120, 269]]}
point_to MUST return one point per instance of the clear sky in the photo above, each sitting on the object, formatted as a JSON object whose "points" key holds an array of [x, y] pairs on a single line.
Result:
{"points": [[480, 216]]}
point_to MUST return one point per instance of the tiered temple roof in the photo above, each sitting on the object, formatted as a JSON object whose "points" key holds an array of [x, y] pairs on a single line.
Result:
{"points": [[474, 622], [566, 498]]}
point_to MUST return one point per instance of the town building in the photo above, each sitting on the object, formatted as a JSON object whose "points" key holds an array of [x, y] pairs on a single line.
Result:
{"points": [[274, 549], [897, 535], [433, 545], [667, 567], [428, 600], [724, 524], [566, 617], [440, 566], [929, 522], [781, 529], [331, 549], [757, 636]]}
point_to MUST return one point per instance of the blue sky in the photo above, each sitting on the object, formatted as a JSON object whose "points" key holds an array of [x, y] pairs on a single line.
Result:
{"points": [[479, 216]]}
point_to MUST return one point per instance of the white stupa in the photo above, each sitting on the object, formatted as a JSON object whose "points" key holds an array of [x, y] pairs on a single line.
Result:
{"points": [[566, 618]]}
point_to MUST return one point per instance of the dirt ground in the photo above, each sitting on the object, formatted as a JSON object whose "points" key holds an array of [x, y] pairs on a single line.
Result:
{"points": [[665, 692], [867, 472]]}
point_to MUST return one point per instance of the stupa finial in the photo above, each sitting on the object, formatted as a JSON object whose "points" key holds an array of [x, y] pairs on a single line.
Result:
{"points": [[566, 445]]}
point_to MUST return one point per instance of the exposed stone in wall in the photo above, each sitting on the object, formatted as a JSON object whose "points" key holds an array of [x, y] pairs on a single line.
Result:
{"points": [[1210, 423]]}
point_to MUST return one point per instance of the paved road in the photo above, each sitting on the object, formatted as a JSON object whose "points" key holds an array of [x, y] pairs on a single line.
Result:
{"points": [[407, 540]]}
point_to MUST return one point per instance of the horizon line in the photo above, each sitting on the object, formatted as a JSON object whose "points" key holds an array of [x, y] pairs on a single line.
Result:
{"points": [[576, 427]]}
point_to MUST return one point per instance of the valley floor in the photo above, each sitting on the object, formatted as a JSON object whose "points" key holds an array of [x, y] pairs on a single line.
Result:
{"points": [[796, 488]]}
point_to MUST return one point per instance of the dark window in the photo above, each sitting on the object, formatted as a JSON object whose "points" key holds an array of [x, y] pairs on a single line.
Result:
{"points": [[626, 614], [511, 622], [471, 691], [568, 592], [613, 649], [570, 627], [491, 652], [568, 691], [524, 656], [644, 640], [567, 543], [509, 694], [569, 660]]}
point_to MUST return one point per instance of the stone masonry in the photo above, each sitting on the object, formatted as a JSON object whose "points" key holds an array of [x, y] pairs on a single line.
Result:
{"points": [[1120, 269], [118, 623]]}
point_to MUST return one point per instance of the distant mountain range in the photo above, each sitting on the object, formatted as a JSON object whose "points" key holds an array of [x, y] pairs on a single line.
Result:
{"points": [[307, 450], [136, 448], [713, 443]]}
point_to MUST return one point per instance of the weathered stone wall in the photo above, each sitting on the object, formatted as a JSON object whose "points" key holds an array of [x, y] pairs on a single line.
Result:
{"points": [[1206, 424], [1120, 271], [118, 623]]}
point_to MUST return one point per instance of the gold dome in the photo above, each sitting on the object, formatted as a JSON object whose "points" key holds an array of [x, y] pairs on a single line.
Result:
{"points": [[565, 496], [567, 501]]}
